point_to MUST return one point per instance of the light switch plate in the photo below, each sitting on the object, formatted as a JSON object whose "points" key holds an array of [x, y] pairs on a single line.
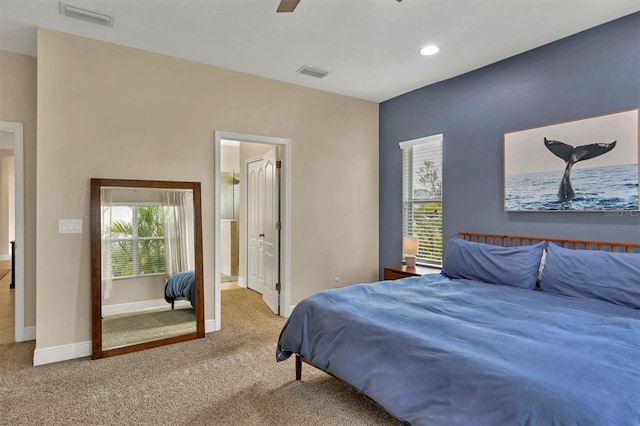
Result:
{"points": [[70, 226]]}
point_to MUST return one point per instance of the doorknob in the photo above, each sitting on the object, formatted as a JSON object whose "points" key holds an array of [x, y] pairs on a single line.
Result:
{"points": [[261, 235]]}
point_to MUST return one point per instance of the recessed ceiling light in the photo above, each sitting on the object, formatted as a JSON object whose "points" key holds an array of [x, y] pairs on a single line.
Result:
{"points": [[431, 49]]}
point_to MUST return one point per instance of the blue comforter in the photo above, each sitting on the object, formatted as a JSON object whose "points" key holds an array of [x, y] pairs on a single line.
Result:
{"points": [[181, 284], [435, 351]]}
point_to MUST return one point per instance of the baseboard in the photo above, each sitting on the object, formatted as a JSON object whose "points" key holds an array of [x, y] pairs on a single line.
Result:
{"points": [[291, 308], [133, 306], [61, 353], [242, 282], [29, 333], [210, 326], [82, 349], [225, 270], [5, 257]]}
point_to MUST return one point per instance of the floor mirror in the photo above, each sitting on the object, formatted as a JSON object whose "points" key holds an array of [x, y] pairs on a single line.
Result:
{"points": [[146, 264]]}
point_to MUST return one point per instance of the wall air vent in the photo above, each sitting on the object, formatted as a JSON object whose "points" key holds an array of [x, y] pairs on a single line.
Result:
{"points": [[86, 15], [313, 71]]}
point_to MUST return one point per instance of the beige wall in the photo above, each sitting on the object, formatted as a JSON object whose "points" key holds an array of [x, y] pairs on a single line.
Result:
{"points": [[7, 206], [115, 112], [138, 289], [18, 103], [229, 158]]}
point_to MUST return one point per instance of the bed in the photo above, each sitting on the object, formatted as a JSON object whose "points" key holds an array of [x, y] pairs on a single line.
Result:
{"points": [[181, 285], [514, 331]]}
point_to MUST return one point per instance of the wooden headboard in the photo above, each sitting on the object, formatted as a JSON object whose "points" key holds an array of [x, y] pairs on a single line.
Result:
{"points": [[512, 240]]}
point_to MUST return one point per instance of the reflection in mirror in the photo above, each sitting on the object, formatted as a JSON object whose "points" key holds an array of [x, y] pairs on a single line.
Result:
{"points": [[146, 263], [229, 195], [229, 215]]}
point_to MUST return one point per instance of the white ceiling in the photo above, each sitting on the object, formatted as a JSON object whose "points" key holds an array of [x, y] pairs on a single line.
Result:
{"points": [[371, 47]]}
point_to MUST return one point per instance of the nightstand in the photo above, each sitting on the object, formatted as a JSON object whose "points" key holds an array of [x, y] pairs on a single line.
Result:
{"points": [[403, 271]]}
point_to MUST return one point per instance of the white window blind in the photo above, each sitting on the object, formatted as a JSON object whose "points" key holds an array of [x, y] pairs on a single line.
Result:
{"points": [[422, 196], [137, 240]]}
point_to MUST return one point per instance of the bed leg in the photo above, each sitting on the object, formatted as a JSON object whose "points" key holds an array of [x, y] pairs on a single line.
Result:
{"points": [[172, 302], [298, 367]]}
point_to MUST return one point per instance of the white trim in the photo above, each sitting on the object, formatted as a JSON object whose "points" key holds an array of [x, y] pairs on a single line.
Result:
{"points": [[225, 142], [30, 333], [225, 270], [5, 257], [210, 326], [242, 282], [217, 279], [291, 308], [61, 353], [419, 141], [18, 150], [134, 306], [285, 216]]}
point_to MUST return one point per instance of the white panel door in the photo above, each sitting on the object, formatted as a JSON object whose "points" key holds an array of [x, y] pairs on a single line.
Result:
{"points": [[263, 236], [254, 171], [269, 232]]}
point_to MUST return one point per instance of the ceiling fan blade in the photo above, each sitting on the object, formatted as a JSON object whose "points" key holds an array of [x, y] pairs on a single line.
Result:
{"points": [[287, 5]]}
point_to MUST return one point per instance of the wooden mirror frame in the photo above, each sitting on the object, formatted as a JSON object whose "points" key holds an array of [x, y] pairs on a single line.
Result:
{"points": [[96, 264]]}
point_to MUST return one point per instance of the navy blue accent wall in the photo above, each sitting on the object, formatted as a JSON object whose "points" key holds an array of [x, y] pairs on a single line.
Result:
{"points": [[591, 73]]}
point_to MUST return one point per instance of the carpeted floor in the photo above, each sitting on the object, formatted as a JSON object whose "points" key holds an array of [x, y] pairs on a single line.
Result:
{"points": [[228, 378]]}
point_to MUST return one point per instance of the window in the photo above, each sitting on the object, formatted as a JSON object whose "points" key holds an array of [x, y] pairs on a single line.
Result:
{"points": [[422, 196], [137, 240]]}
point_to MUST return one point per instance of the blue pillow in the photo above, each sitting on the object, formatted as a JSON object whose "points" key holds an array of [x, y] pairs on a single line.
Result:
{"points": [[513, 266], [612, 277]]}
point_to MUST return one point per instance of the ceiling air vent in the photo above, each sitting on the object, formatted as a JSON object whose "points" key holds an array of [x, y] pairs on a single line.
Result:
{"points": [[85, 14], [313, 71]]}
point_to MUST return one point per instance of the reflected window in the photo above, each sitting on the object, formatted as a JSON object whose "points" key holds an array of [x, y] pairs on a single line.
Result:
{"points": [[137, 240]]}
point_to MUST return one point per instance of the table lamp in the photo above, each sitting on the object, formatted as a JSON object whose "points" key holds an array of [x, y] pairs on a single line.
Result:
{"points": [[410, 248]]}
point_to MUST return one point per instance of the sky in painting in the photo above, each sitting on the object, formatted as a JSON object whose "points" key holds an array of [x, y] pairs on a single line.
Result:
{"points": [[525, 151]]}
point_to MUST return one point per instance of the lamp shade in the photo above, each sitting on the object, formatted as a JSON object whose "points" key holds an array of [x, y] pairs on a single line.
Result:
{"points": [[410, 245]]}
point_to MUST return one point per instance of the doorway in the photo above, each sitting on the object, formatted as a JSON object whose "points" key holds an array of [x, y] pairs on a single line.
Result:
{"points": [[11, 142], [261, 157]]}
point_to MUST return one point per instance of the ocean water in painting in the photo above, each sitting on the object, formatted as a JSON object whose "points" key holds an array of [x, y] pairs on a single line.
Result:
{"points": [[599, 188]]}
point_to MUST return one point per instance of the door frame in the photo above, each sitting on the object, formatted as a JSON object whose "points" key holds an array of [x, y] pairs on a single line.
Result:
{"points": [[18, 150], [285, 217]]}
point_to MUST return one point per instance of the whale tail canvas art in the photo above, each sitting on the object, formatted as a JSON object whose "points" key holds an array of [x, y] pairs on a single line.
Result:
{"points": [[571, 156], [595, 161]]}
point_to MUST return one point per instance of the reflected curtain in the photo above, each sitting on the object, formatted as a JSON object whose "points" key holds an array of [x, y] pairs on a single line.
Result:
{"points": [[178, 230], [105, 230]]}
